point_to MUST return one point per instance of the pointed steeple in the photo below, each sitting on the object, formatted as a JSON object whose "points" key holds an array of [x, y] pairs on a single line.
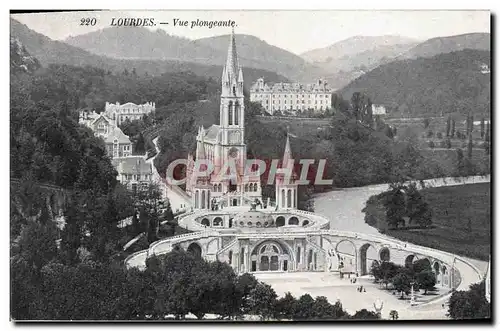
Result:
{"points": [[200, 152], [232, 65], [287, 155]]}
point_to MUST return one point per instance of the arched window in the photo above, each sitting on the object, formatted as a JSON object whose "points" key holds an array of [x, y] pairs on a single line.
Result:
{"points": [[202, 199], [246, 187], [236, 113], [283, 198], [220, 187], [289, 198], [298, 254], [196, 199], [215, 187], [230, 113]]}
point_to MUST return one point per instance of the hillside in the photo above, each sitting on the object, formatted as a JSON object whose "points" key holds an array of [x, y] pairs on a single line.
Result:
{"points": [[434, 46], [49, 51], [451, 82], [354, 45], [20, 59], [256, 53], [142, 43]]}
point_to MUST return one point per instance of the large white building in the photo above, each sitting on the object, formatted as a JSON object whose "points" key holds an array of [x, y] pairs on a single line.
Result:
{"points": [[292, 96], [130, 111]]}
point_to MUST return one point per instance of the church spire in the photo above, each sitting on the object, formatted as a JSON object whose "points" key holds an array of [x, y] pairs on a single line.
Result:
{"points": [[232, 64], [287, 155]]}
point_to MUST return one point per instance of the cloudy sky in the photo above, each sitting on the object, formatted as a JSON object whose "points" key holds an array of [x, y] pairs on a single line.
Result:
{"points": [[295, 31]]}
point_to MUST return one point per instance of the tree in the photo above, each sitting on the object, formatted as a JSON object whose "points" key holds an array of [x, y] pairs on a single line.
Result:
{"points": [[394, 314], [426, 122], [482, 127], [460, 161], [394, 203], [388, 131], [140, 145], [262, 301], [448, 120], [286, 306], [245, 284], [365, 314], [416, 208], [37, 243], [304, 310], [469, 304], [402, 283], [426, 280], [322, 308], [469, 147], [467, 125]]}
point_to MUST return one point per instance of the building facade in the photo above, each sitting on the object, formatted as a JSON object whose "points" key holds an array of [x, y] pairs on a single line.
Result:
{"points": [[117, 143], [130, 111], [292, 97], [133, 172]]}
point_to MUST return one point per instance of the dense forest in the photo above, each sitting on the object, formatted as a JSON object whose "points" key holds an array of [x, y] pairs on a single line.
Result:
{"points": [[446, 83]]}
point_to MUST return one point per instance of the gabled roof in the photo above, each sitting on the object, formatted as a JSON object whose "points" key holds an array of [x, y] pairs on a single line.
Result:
{"points": [[101, 117], [117, 133], [212, 133]]}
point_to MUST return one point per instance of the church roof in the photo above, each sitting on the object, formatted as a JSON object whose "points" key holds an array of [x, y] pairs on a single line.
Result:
{"points": [[132, 165], [212, 133]]}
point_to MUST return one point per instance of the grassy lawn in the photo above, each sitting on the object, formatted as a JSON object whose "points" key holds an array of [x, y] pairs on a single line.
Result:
{"points": [[452, 208]]}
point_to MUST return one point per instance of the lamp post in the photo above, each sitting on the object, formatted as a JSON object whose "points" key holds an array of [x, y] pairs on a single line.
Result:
{"points": [[412, 295], [378, 305]]}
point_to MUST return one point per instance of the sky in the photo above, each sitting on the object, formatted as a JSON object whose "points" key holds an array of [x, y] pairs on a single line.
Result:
{"points": [[297, 31]]}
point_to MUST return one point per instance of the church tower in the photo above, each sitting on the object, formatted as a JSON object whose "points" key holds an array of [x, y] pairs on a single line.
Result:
{"points": [[201, 196], [232, 108], [286, 186]]}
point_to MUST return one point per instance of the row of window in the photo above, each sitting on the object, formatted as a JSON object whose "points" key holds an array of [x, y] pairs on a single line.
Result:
{"points": [[291, 96], [136, 177], [298, 101], [252, 187]]}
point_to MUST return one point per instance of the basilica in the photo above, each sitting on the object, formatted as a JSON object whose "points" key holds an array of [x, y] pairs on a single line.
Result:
{"points": [[222, 145]]}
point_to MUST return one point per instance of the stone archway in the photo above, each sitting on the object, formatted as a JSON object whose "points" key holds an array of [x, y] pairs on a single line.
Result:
{"points": [[436, 268], [293, 221], [230, 222], [305, 222], [271, 255], [385, 254], [217, 221], [194, 249], [205, 222], [346, 251], [280, 221], [409, 260], [367, 255]]}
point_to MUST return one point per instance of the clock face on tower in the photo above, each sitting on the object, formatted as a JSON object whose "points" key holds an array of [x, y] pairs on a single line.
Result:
{"points": [[233, 152]]}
